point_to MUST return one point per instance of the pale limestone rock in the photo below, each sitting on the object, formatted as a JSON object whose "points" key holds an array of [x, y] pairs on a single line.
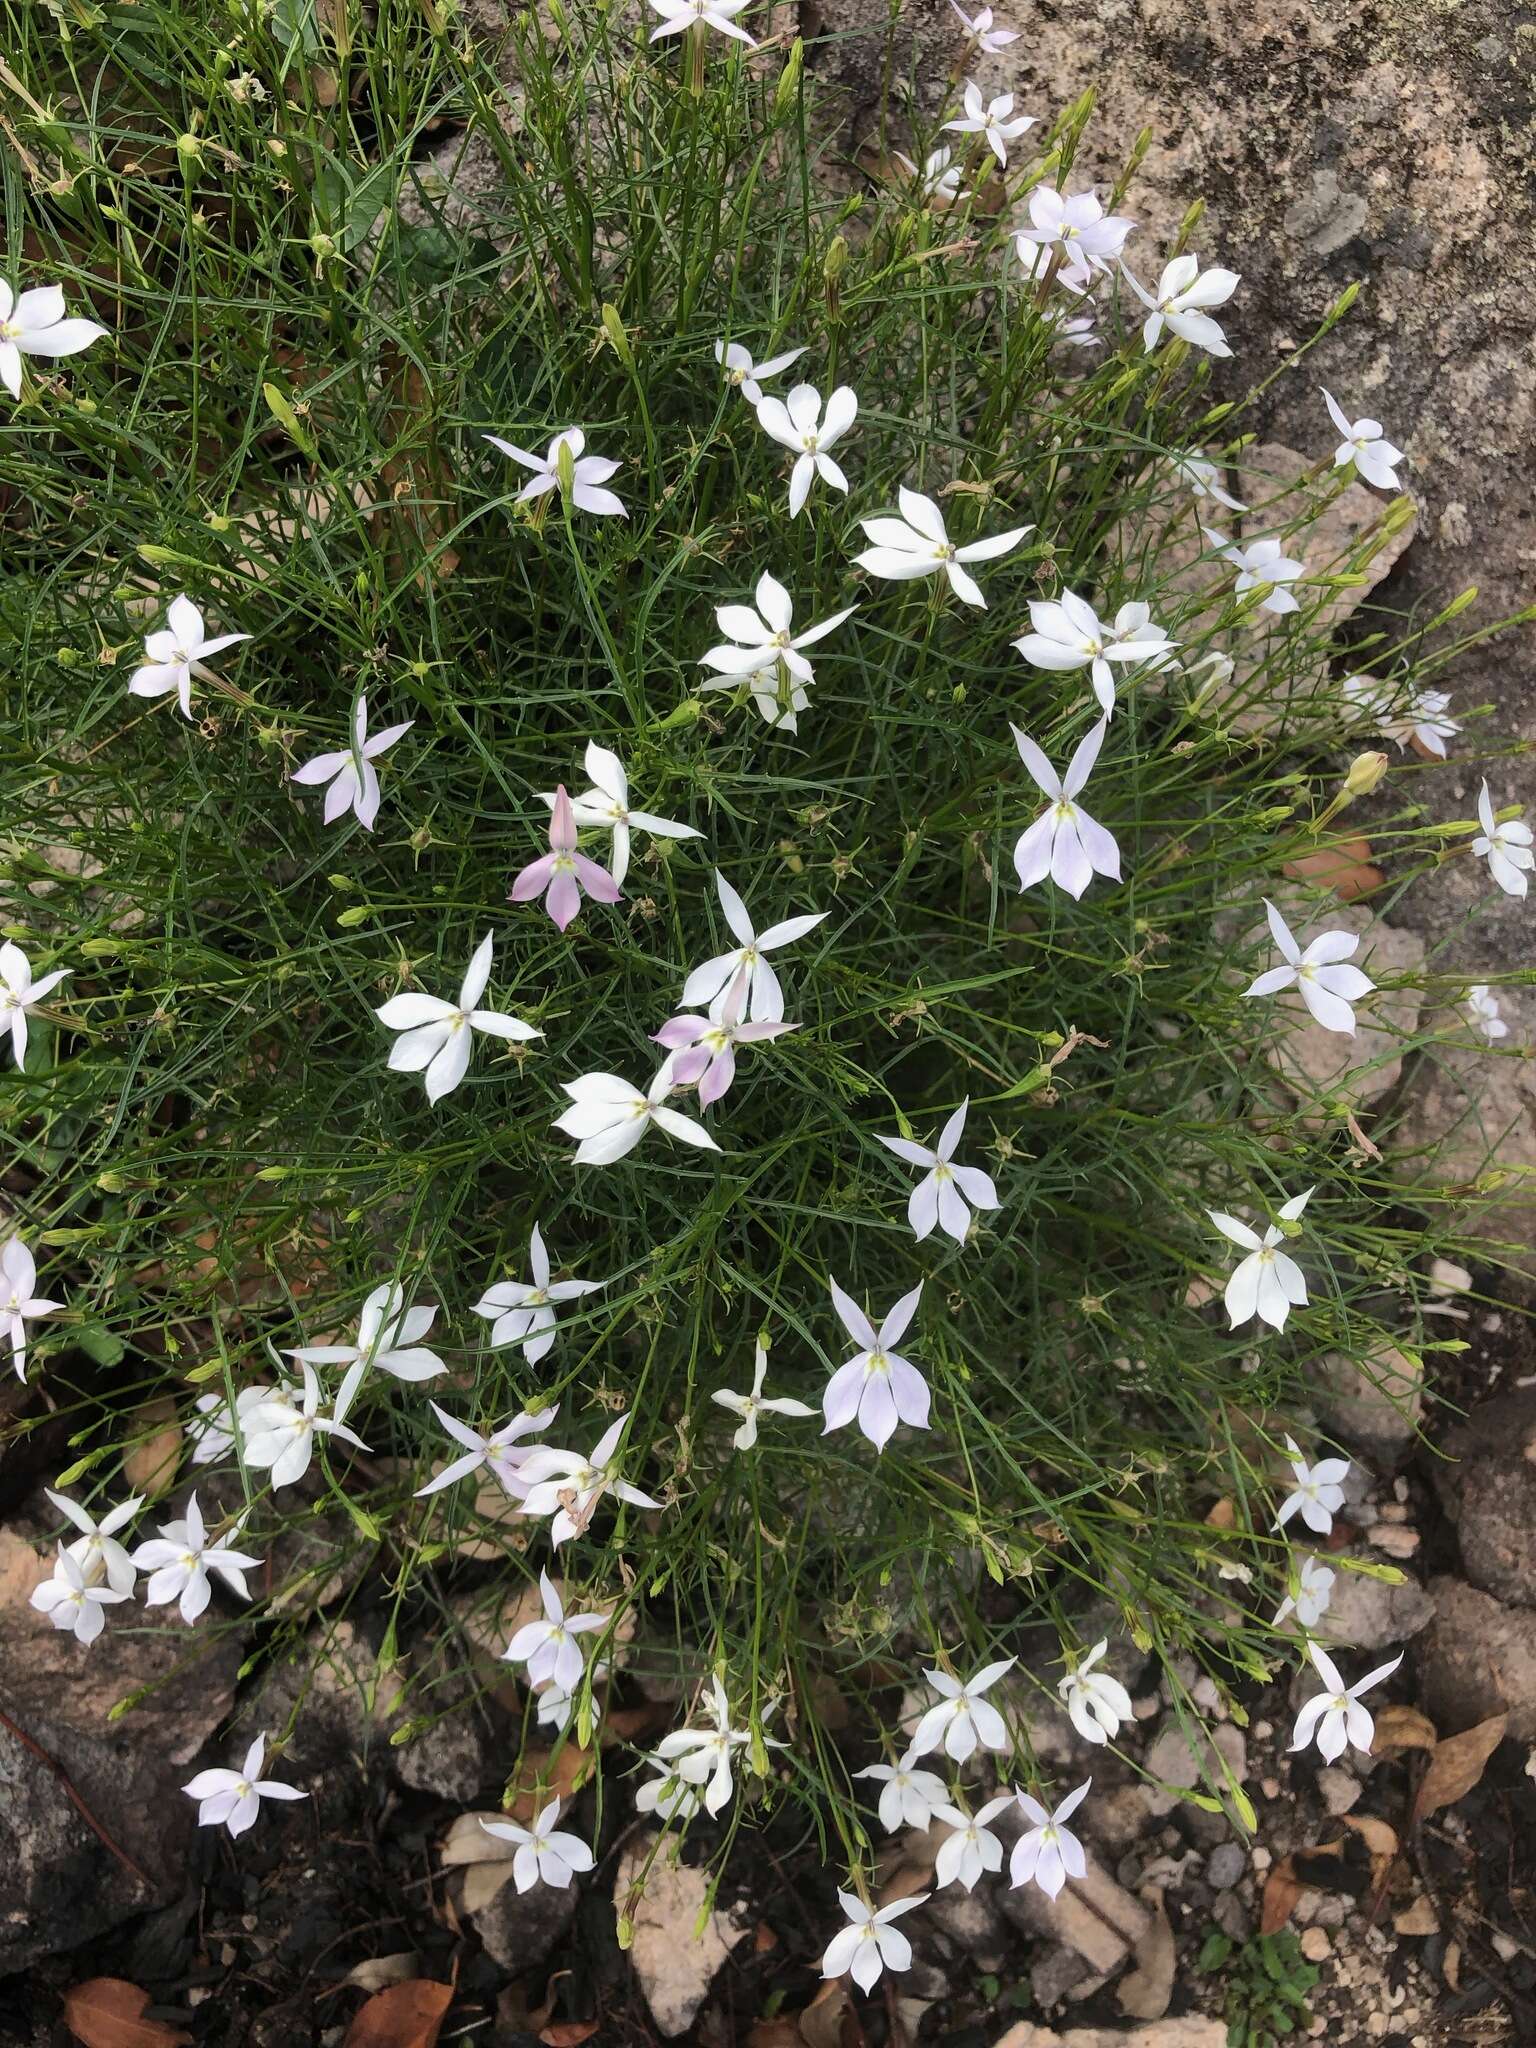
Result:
{"points": [[675, 1965]]}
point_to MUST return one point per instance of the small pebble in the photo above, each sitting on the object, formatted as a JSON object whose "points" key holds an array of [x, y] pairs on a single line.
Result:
{"points": [[1262, 1730], [1315, 1944], [1225, 1865], [1270, 1787], [1395, 1542], [1261, 1859], [1394, 1511], [1339, 1789], [1377, 2025]]}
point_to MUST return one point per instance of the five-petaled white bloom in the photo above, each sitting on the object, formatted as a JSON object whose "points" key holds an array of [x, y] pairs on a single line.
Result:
{"points": [[917, 544], [609, 1116], [95, 1549], [1327, 984], [354, 783], [280, 1433], [1069, 634], [1311, 1590], [909, 1796], [563, 872], [1319, 1490], [1064, 842], [962, 1721], [544, 1856], [606, 806], [232, 1799], [178, 651], [71, 1603], [1088, 238], [1335, 1716], [1506, 848], [438, 1036], [877, 1387], [971, 1849], [19, 993], [33, 324], [1183, 291], [938, 179], [1419, 719], [180, 1558], [745, 376], [1096, 1703], [520, 1314], [1203, 478], [750, 1406], [704, 1756], [980, 31], [568, 1486], [1267, 1283], [762, 640], [798, 423], [869, 1943], [1365, 445], [495, 1453], [555, 1706], [388, 1336], [1482, 1008], [588, 472], [941, 1196], [668, 1795], [1049, 1852], [212, 1434], [20, 1303], [1260, 562], [549, 1647], [680, 15], [993, 120], [763, 998], [702, 1052]]}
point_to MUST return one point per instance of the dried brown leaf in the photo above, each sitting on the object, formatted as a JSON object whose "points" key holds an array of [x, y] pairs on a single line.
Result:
{"points": [[1148, 1990], [567, 2033], [1400, 1728], [1457, 1765], [1282, 1890], [1419, 1918], [149, 1465], [107, 2012], [408, 2015], [381, 1971]]}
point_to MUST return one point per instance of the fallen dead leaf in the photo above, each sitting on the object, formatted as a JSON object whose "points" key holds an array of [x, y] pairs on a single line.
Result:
{"points": [[1378, 1837], [1419, 1918], [149, 1465], [107, 2012], [821, 2024], [567, 2033], [1457, 1764], [1345, 868], [1400, 1728], [1282, 1890], [782, 2032], [1147, 1992], [407, 2015]]}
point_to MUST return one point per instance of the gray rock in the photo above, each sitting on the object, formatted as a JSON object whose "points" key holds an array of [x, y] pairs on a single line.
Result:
{"points": [[1189, 2032], [972, 1922], [1340, 1789], [1225, 1865], [1119, 1818], [62, 1885], [1466, 1106], [675, 1963], [1057, 1971], [1498, 1528], [1232, 1916], [1093, 1916], [1365, 1613], [1477, 1658], [1375, 1401], [1196, 1759], [519, 1929]]}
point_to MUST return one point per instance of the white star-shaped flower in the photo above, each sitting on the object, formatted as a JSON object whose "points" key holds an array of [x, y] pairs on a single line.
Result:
{"points": [[1365, 445], [19, 993], [588, 472], [1064, 842], [605, 806], [520, 1313], [549, 1647], [70, 1603], [496, 1453], [971, 1848], [1335, 1716], [763, 997], [942, 1195], [677, 16], [750, 1406], [1326, 984], [1310, 1592], [1096, 1703], [354, 782], [178, 651], [568, 1486], [33, 324], [994, 120], [1260, 562], [1319, 1491], [798, 423], [20, 1302], [1049, 1853], [979, 29], [962, 1721], [179, 1560], [609, 1116], [437, 1037], [877, 1387], [1506, 848], [95, 1549], [869, 1943], [746, 376], [388, 1338], [232, 1799], [544, 1855], [1183, 292], [1267, 1283], [1069, 634], [909, 1796], [918, 544]]}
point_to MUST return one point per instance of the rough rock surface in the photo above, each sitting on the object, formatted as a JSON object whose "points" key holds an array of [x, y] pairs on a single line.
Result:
{"points": [[1465, 1104], [1370, 1614], [62, 1885], [675, 1964], [1476, 1659], [1373, 1402], [1190, 2032], [1330, 143]]}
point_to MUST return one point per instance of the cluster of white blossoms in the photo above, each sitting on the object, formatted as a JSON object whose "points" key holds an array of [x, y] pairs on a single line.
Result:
{"points": [[1069, 245]]}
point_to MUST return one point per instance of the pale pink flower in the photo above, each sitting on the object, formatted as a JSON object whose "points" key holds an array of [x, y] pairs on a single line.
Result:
{"points": [[496, 1453], [354, 782], [563, 872]]}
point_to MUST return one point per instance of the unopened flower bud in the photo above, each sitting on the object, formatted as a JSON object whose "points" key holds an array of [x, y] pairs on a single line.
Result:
{"points": [[1365, 771], [565, 469]]}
